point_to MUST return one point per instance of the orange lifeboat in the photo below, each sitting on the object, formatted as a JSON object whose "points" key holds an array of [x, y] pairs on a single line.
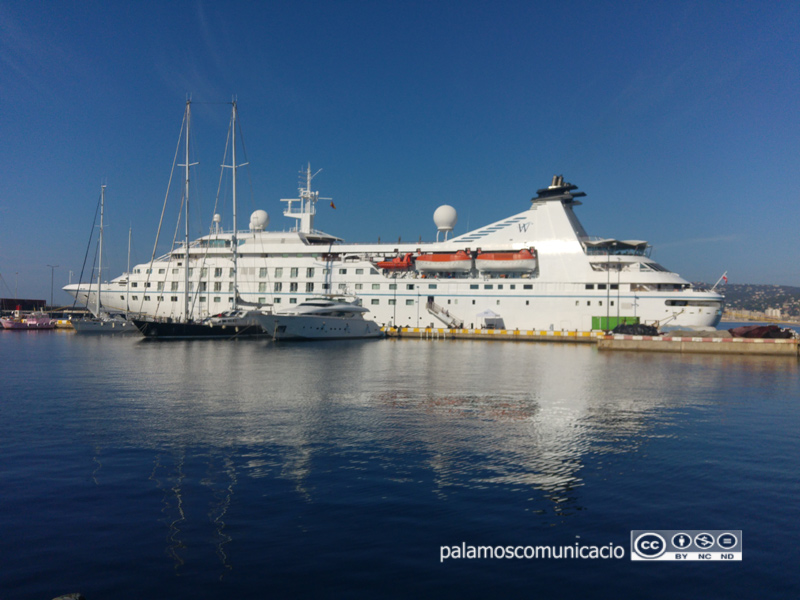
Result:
{"points": [[522, 260], [451, 262], [398, 263]]}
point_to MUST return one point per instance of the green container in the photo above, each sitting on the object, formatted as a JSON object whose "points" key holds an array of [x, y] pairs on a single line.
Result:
{"points": [[608, 323]]}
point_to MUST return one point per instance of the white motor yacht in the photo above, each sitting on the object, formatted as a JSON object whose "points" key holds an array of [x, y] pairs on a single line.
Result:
{"points": [[328, 318]]}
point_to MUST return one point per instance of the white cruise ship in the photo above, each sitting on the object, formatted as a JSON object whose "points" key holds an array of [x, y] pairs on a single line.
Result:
{"points": [[537, 269]]}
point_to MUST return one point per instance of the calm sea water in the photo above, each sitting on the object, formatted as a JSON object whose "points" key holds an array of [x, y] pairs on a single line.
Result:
{"points": [[212, 469]]}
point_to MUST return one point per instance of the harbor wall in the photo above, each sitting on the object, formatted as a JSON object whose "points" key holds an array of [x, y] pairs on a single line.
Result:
{"points": [[637, 343], [643, 343], [512, 335]]}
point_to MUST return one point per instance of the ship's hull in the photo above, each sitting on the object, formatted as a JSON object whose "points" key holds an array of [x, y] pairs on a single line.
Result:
{"points": [[522, 304], [28, 325], [309, 327], [105, 326], [163, 330]]}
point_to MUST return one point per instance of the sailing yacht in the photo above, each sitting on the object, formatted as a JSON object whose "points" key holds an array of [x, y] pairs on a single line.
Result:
{"points": [[536, 269], [102, 321], [233, 323]]}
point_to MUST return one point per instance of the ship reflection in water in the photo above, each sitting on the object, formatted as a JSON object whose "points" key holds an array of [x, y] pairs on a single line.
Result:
{"points": [[471, 414], [239, 458]]}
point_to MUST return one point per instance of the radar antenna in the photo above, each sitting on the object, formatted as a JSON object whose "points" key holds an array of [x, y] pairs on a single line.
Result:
{"points": [[305, 210]]}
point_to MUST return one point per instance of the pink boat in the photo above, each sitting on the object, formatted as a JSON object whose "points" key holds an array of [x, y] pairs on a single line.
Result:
{"points": [[28, 322]]}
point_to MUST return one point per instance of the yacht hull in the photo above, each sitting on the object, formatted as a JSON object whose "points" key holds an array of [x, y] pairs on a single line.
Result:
{"points": [[301, 327], [30, 323], [105, 326], [163, 330]]}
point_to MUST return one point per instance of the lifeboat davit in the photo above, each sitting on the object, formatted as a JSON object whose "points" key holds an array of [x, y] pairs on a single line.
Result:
{"points": [[398, 263], [522, 260], [452, 262]]}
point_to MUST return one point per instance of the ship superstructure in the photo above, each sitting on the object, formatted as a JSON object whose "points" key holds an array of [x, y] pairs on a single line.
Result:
{"points": [[537, 269]]}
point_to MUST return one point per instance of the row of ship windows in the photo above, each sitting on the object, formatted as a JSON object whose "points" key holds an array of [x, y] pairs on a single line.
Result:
{"points": [[175, 298], [218, 299], [373, 302], [644, 287], [294, 272], [174, 286], [278, 286], [263, 300], [310, 271], [293, 286], [392, 301], [262, 271], [203, 272]]}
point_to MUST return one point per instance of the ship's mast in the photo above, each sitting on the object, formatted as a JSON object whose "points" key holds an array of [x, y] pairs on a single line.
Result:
{"points": [[128, 284], [234, 241], [234, 238], [186, 209], [100, 255]]}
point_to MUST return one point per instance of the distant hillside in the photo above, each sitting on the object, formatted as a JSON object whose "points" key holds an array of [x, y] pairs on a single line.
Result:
{"points": [[758, 298]]}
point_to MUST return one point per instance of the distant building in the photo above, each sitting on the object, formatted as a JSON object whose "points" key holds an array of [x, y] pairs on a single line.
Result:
{"points": [[25, 304], [773, 313]]}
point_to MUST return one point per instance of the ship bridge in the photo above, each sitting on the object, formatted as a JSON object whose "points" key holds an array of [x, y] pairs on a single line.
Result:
{"points": [[609, 246]]}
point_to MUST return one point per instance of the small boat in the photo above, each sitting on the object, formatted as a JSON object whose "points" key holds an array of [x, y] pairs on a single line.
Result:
{"points": [[519, 261], [33, 321], [105, 323], [444, 262], [398, 263], [326, 318]]}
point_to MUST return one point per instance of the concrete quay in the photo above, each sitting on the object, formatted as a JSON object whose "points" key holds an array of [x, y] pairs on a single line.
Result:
{"points": [[643, 343], [637, 343], [511, 335]]}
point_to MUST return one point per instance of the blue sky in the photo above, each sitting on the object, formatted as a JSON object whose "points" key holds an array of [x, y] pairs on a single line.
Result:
{"points": [[679, 119]]}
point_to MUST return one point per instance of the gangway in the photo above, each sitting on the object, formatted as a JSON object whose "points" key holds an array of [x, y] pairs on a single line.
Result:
{"points": [[444, 315]]}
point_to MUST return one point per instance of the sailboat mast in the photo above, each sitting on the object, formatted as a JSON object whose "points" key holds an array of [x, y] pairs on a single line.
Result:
{"points": [[234, 241], [100, 255], [128, 284], [186, 208]]}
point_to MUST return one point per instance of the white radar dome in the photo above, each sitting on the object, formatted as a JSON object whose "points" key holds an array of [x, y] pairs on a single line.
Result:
{"points": [[217, 218], [259, 220], [445, 217]]}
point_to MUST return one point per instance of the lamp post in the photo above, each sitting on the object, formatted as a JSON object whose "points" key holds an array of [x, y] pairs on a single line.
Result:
{"points": [[52, 270]]}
